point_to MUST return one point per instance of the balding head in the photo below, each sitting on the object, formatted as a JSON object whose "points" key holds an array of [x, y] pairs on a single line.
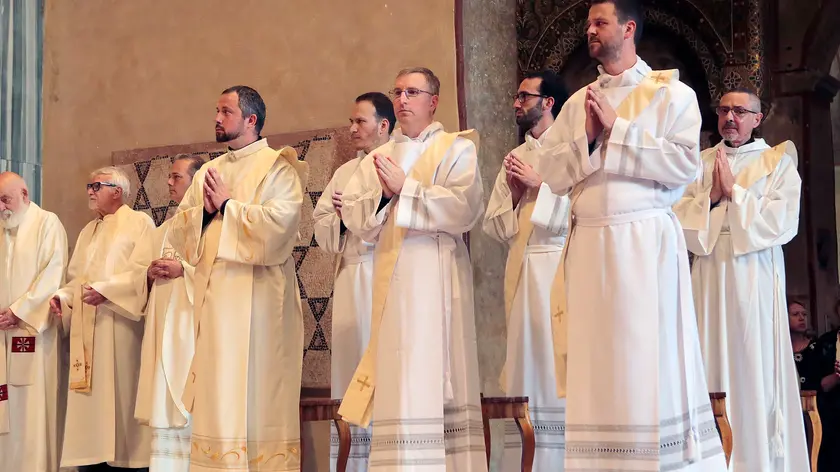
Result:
{"points": [[14, 199]]}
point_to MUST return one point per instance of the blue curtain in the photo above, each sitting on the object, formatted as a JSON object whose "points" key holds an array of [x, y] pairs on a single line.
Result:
{"points": [[21, 66]]}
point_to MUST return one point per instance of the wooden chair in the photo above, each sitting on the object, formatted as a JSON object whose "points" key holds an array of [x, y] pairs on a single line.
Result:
{"points": [[813, 425], [724, 429], [325, 409], [515, 408]]}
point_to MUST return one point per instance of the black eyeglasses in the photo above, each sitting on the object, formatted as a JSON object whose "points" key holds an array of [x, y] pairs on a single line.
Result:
{"points": [[98, 185], [410, 93], [522, 96], [738, 112]]}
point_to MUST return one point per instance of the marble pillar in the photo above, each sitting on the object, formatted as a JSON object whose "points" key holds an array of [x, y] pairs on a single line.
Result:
{"points": [[490, 79]]}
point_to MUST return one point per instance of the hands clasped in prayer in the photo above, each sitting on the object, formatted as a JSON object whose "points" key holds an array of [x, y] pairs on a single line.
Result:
{"points": [[165, 269], [600, 115], [520, 177], [215, 191], [391, 176], [722, 178], [8, 320]]}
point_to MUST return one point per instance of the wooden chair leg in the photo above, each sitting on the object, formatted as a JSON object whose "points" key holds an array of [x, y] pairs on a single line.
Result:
{"points": [[529, 440], [487, 437], [813, 426], [722, 423], [344, 441]]}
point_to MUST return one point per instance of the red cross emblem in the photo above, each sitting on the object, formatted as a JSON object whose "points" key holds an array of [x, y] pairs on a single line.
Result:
{"points": [[23, 344], [4, 393]]}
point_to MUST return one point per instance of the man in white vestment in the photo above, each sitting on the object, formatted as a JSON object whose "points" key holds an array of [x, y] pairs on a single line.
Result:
{"points": [[523, 213], [33, 257], [414, 198], [237, 225], [371, 124], [104, 338], [159, 288], [736, 217], [627, 349]]}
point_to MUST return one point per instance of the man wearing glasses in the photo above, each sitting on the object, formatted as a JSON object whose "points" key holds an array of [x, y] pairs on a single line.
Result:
{"points": [[736, 217], [100, 430], [414, 198], [527, 216]]}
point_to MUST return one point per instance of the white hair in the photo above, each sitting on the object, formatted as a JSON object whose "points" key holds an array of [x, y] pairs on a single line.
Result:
{"points": [[117, 178]]}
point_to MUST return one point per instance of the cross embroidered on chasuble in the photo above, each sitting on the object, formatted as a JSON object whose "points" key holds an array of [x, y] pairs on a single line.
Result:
{"points": [[4, 393], [23, 344], [660, 78], [363, 383]]}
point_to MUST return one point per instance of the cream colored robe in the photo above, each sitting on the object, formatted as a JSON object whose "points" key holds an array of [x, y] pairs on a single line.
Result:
{"points": [[738, 279], [351, 311], [244, 385], [33, 258], [100, 425], [167, 349], [539, 223], [635, 386], [426, 407]]}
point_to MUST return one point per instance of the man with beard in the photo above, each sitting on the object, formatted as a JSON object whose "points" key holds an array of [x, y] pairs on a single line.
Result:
{"points": [[160, 288], [736, 217], [415, 197], [237, 225], [104, 338], [33, 256], [371, 125], [533, 221], [627, 351]]}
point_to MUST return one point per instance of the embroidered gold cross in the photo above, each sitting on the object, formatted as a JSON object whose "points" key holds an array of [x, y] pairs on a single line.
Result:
{"points": [[77, 364], [660, 78], [363, 383]]}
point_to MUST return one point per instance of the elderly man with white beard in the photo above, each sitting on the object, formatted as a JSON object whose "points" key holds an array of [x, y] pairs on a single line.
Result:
{"points": [[33, 256]]}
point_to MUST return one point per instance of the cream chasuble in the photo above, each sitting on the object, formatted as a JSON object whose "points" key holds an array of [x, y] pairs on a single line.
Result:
{"points": [[630, 358], [33, 257], [104, 348], [167, 349], [536, 232], [739, 291], [352, 294], [422, 357], [244, 384]]}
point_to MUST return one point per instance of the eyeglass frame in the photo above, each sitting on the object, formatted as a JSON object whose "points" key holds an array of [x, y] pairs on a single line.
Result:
{"points": [[414, 90], [97, 186], [517, 97], [737, 112]]}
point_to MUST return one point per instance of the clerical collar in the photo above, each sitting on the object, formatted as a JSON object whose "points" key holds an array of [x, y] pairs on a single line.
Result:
{"points": [[754, 144], [729, 143], [424, 135], [249, 149], [631, 76]]}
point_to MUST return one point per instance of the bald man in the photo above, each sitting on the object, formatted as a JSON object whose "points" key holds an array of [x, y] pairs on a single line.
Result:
{"points": [[33, 256], [736, 217]]}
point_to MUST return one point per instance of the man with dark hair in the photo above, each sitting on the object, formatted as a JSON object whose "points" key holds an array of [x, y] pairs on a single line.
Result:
{"points": [[415, 197], [627, 351], [736, 217], [237, 225], [524, 214], [371, 123]]}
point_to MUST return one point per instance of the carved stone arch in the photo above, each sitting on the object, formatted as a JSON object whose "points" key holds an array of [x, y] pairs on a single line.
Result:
{"points": [[724, 35]]}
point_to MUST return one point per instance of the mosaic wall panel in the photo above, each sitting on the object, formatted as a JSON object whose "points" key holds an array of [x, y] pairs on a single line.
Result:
{"points": [[324, 150]]}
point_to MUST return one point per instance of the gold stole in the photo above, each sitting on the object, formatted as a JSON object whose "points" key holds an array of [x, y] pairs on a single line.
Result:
{"points": [[632, 105], [357, 405], [764, 165], [82, 325], [212, 238]]}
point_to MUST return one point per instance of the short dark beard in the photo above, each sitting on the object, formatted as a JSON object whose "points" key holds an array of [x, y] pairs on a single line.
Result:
{"points": [[226, 137], [531, 117], [609, 52]]}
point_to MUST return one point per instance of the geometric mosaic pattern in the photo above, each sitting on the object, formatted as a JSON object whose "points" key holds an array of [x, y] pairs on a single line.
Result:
{"points": [[324, 150]]}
